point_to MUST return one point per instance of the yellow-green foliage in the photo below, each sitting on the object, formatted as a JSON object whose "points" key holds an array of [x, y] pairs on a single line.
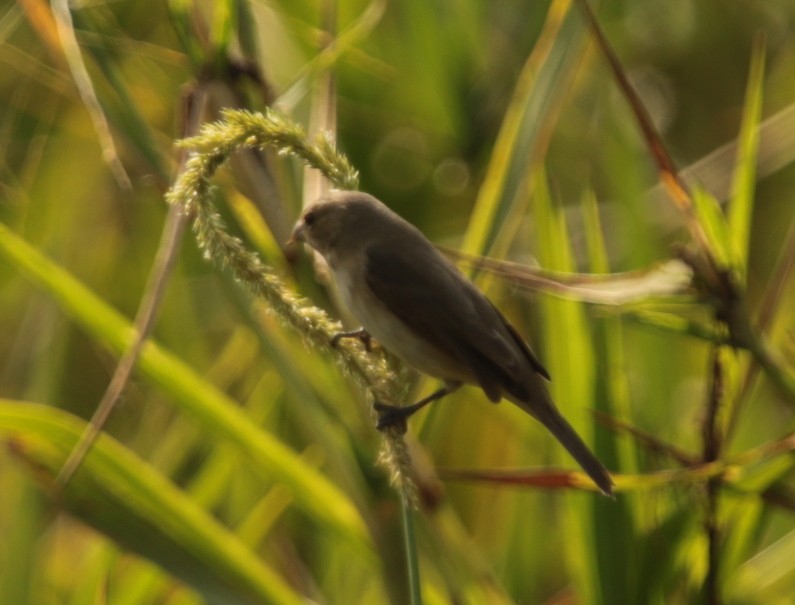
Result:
{"points": [[241, 464]]}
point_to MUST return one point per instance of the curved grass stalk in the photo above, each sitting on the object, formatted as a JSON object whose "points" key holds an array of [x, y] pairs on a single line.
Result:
{"points": [[216, 142]]}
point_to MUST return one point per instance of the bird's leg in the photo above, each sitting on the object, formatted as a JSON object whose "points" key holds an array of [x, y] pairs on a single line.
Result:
{"points": [[396, 415], [361, 334]]}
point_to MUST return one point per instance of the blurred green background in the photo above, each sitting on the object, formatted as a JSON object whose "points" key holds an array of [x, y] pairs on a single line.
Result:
{"points": [[248, 471]]}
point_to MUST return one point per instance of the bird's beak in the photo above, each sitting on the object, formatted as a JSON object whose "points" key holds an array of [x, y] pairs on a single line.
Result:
{"points": [[298, 234]]}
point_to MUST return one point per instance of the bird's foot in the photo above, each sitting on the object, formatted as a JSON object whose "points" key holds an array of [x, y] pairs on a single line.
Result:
{"points": [[396, 415], [360, 334], [391, 416]]}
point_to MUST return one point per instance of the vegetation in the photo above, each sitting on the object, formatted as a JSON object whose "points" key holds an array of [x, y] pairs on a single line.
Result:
{"points": [[619, 183]]}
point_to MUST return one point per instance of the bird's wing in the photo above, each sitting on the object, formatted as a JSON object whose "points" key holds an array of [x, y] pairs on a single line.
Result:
{"points": [[438, 304], [523, 346]]}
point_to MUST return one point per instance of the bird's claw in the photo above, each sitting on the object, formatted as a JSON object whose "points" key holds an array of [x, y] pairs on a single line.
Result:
{"points": [[360, 334], [390, 416]]}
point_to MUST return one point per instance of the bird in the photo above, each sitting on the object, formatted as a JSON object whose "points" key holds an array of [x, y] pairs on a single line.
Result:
{"points": [[416, 304]]}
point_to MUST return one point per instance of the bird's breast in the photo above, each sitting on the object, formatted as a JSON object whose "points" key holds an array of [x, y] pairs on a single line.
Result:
{"points": [[390, 331]]}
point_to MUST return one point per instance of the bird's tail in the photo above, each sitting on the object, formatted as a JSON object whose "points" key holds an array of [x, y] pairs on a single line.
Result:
{"points": [[550, 417]]}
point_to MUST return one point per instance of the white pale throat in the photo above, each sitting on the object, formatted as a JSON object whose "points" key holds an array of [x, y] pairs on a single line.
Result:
{"points": [[384, 326]]}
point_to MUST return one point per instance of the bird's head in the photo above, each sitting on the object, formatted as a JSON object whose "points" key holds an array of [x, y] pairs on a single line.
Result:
{"points": [[338, 221]]}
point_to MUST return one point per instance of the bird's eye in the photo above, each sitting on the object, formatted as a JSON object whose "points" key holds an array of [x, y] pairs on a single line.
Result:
{"points": [[310, 218]]}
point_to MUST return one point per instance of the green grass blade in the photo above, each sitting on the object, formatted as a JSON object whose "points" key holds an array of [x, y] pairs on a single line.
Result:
{"points": [[412, 555], [568, 355], [219, 415], [525, 129], [181, 15], [352, 35], [221, 27], [769, 577], [246, 29], [715, 228], [119, 494], [742, 198], [615, 525], [122, 108], [679, 324]]}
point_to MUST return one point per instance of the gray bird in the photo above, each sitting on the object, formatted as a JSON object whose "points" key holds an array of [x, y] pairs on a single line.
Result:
{"points": [[417, 304]]}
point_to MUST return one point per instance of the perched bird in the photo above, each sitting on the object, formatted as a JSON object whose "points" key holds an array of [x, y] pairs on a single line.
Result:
{"points": [[417, 304]]}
